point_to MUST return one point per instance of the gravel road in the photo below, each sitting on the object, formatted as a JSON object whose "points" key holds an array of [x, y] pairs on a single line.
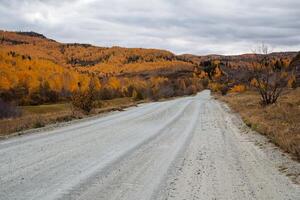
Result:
{"points": [[187, 148]]}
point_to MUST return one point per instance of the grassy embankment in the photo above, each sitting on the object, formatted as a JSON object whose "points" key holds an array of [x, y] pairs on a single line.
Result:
{"points": [[279, 122], [41, 115]]}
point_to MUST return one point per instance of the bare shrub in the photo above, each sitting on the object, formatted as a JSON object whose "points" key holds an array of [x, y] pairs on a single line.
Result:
{"points": [[271, 79]]}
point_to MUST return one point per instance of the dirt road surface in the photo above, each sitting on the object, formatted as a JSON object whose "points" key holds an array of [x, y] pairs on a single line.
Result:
{"points": [[187, 148]]}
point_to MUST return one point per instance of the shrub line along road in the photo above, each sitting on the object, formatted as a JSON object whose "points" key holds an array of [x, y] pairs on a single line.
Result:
{"points": [[187, 148]]}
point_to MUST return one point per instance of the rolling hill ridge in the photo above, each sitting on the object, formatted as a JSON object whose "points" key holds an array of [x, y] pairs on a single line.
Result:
{"points": [[31, 62]]}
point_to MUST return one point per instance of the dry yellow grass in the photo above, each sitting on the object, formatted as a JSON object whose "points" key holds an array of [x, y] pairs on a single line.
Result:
{"points": [[279, 122], [28, 121], [39, 116]]}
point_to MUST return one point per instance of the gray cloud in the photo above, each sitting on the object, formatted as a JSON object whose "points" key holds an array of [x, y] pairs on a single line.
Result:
{"points": [[190, 26]]}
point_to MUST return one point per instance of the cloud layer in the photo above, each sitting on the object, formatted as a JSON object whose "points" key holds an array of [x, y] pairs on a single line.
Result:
{"points": [[190, 26]]}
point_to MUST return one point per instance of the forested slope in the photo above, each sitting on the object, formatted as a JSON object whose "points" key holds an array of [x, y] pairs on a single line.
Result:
{"points": [[36, 70]]}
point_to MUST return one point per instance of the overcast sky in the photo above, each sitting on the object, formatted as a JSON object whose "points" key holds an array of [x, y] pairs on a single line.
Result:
{"points": [[181, 26]]}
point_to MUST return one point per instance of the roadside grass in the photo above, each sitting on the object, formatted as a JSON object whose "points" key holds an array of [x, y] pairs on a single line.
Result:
{"points": [[42, 115], [116, 103], [279, 122]]}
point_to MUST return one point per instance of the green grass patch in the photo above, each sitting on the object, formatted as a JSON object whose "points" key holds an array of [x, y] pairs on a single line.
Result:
{"points": [[42, 109]]}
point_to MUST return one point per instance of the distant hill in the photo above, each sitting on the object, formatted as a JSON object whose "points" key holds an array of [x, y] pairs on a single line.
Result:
{"points": [[239, 60]]}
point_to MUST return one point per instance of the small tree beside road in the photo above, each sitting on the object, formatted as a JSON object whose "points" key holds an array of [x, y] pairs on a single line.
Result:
{"points": [[84, 99], [269, 78]]}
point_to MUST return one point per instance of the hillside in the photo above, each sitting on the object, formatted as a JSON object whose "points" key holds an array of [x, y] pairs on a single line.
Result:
{"points": [[30, 62], [34, 67], [296, 65], [106, 61]]}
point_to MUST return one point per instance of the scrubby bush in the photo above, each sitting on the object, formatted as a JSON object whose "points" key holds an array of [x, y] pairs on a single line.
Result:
{"points": [[137, 95], [191, 90], [84, 99], [205, 83], [238, 88], [209, 68], [215, 87], [224, 89], [165, 91], [8, 110]]}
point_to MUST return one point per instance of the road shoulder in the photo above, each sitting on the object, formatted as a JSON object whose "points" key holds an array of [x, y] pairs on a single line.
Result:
{"points": [[282, 160]]}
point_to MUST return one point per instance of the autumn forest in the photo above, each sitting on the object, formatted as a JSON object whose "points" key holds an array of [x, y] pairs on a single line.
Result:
{"points": [[37, 70]]}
